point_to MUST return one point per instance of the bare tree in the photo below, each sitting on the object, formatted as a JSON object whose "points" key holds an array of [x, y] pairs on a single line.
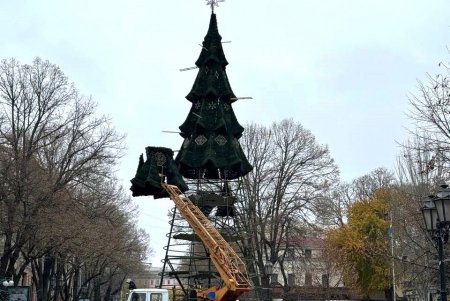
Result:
{"points": [[291, 172], [52, 147], [91, 244], [332, 208], [429, 112], [422, 166], [365, 186], [420, 169]]}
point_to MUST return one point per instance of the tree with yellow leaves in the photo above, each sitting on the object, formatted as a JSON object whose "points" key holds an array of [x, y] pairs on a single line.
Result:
{"points": [[361, 246]]}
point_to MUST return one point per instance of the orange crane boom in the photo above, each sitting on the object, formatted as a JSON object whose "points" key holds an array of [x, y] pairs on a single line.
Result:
{"points": [[230, 266]]}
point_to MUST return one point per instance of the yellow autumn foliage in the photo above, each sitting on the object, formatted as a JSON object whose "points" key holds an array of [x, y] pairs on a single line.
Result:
{"points": [[361, 247]]}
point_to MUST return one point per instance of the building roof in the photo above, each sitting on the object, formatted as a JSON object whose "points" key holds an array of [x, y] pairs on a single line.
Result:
{"points": [[308, 242]]}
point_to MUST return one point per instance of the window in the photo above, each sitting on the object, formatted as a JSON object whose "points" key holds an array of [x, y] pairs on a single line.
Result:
{"points": [[307, 253], [291, 279], [325, 280], [308, 279], [290, 254], [156, 297], [138, 297]]}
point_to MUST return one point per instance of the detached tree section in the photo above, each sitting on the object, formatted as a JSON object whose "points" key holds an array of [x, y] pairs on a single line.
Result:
{"points": [[291, 172], [361, 247], [229, 265], [149, 174], [58, 194]]}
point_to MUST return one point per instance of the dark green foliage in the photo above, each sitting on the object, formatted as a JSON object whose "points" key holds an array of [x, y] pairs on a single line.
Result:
{"points": [[159, 164], [211, 131], [211, 79]]}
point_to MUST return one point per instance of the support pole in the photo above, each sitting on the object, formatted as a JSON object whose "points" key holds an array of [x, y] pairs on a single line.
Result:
{"points": [[443, 279]]}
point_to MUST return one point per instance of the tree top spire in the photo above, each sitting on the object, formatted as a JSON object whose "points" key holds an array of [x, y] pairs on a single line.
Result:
{"points": [[213, 3]]}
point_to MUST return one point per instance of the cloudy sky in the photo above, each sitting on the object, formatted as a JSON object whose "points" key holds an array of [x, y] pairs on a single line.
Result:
{"points": [[342, 68]]}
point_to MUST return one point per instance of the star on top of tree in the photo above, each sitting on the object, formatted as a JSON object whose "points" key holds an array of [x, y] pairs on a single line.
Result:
{"points": [[213, 3]]}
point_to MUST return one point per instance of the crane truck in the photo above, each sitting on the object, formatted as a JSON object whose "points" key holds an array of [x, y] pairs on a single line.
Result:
{"points": [[229, 265]]}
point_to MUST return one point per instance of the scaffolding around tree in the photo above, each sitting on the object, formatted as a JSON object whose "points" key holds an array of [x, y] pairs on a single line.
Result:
{"points": [[208, 167]]}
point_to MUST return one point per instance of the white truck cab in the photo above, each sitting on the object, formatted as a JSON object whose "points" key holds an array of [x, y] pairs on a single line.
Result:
{"points": [[148, 294]]}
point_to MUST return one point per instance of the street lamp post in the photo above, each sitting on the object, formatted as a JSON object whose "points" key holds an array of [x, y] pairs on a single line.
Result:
{"points": [[6, 283], [436, 213], [268, 269]]}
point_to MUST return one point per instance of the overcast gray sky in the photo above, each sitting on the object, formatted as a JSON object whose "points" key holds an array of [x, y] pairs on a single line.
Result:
{"points": [[343, 68]]}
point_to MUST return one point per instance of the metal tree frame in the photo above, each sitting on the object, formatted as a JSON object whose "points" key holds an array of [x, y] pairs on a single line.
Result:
{"points": [[228, 263], [187, 257]]}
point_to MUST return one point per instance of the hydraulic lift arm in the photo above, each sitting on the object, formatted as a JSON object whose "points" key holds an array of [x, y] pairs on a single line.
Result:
{"points": [[230, 266]]}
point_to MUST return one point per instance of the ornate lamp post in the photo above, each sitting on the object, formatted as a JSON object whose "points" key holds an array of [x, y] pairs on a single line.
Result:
{"points": [[7, 282], [436, 213], [268, 269], [4, 290]]}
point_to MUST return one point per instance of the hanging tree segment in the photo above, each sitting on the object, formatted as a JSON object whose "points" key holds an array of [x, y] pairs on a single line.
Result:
{"points": [[150, 174]]}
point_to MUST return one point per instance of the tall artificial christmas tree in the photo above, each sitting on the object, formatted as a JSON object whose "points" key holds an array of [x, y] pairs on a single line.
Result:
{"points": [[211, 160], [211, 131]]}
